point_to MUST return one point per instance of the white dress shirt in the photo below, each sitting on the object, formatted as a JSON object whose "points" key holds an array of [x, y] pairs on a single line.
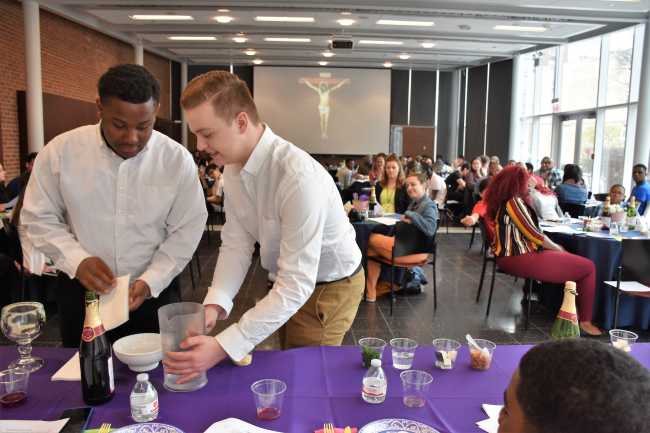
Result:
{"points": [[143, 216], [437, 183], [286, 201]]}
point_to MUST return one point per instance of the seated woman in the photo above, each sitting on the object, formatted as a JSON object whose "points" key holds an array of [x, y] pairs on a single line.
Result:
{"points": [[412, 167], [543, 201], [471, 179], [479, 211], [574, 385], [377, 170], [390, 190], [522, 249], [422, 213], [569, 190]]}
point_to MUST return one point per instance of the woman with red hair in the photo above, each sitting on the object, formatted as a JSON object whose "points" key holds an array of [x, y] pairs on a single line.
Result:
{"points": [[523, 251]]}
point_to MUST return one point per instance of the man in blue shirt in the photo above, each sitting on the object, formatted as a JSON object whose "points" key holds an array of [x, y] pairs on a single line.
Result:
{"points": [[641, 192]]}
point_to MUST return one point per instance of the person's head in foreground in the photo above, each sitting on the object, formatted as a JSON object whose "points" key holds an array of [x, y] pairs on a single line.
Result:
{"points": [[416, 186], [128, 101], [511, 182], [221, 112], [639, 173], [577, 385], [616, 194], [572, 172]]}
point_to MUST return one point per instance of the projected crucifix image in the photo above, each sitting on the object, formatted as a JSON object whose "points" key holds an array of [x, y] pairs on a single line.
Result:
{"points": [[322, 86]]}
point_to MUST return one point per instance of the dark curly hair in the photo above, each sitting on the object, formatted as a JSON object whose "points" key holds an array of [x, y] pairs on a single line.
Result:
{"points": [[576, 385], [129, 83], [510, 182]]}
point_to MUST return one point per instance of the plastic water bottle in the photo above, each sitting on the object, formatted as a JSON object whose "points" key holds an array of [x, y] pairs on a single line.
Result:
{"points": [[374, 383], [144, 400]]}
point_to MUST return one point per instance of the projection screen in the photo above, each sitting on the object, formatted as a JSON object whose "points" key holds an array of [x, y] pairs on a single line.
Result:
{"points": [[326, 110]]}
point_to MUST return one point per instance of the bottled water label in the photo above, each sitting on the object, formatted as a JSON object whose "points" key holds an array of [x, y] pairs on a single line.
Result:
{"points": [[144, 409], [375, 392], [110, 373]]}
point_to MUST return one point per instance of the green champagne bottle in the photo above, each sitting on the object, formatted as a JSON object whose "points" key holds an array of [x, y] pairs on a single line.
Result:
{"points": [[607, 214], [631, 215], [566, 324]]}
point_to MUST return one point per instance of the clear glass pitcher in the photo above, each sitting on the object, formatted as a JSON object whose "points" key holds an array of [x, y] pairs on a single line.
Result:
{"points": [[179, 322]]}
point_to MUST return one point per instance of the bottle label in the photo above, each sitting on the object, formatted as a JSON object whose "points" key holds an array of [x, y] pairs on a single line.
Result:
{"points": [[89, 334], [568, 316], [93, 326], [110, 373], [375, 392], [144, 409]]}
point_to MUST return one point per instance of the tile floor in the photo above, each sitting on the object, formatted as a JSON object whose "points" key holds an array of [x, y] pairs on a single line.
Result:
{"points": [[458, 274]]}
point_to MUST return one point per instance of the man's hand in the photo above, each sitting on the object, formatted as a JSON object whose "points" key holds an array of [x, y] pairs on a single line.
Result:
{"points": [[95, 275], [3, 206], [357, 176], [406, 220], [206, 353], [27, 272], [212, 312], [138, 292]]}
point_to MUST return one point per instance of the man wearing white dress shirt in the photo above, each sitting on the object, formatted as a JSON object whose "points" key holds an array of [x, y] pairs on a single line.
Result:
{"points": [[282, 198], [113, 199]]}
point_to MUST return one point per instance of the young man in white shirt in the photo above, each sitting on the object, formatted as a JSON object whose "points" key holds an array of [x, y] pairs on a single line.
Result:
{"points": [[282, 198], [113, 199], [437, 189]]}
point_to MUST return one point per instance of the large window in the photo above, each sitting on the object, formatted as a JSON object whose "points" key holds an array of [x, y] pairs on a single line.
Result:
{"points": [[580, 71], [547, 67], [619, 71], [545, 139], [528, 83], [611, 167]]}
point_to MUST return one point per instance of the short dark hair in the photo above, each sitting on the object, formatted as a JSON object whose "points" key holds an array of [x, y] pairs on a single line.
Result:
{"points": [[572, 171], [484, 159], [129, 83], [642, 166], [484, 184], [31, 157], [461, 157], [618, 185], [348, 159], [512, 160], [529, 166], [466, 166], [562, 382], [210, 167]]}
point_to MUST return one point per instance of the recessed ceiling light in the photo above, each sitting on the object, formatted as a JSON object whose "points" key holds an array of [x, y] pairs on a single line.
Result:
{"points": [[346, 22], [404, 57], [406, 23], [381, 42], [388, 64], [287, 19], [223, 19], [287, 40], [162, 17], [191, 38], [251, 53], [257, 62], [223, 10], [239, 40], [328, 54], [346, 13], [521, 28], [428, 45], [322, 63]]}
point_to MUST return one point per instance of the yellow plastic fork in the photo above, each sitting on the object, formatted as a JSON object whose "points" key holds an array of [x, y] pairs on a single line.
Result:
{"points": [[105, 428], [328, 428]]}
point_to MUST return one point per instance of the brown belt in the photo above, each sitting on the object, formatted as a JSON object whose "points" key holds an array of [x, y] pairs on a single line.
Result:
{"points": [[356, 271]]}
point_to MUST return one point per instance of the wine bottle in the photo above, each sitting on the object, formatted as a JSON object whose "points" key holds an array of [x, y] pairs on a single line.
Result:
{"points": [[607, 214], [95, 357], [631, 215], [566, 324]]}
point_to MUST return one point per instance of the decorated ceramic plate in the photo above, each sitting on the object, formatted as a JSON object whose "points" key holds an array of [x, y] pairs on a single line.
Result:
{"points": [[396, 426], [150, 427]]}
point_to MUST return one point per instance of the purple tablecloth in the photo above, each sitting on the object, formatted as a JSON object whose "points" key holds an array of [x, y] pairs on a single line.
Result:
{"points": [[323, 385]]}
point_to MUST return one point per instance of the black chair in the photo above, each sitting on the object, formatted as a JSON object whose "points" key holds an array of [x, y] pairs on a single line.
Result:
{"points": [[16, 251], [575, 210], [198, 265], [634, 267], [410, 240], [600, 197], [471, 240], [489, 257]]}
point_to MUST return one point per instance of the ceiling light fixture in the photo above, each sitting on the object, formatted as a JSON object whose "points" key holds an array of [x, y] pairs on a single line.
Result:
{"points": [[346, 13], [322, 63], [328, 54], [191, 38], [388, 64], [162, 17], [257, 62], [251, 53], [287, 39], [223, 10], [406, 23], [428, 45], [346, 22], [239, 40], [287, 19], [381, 42], [404, 57], [223, 19], [521, 28]]}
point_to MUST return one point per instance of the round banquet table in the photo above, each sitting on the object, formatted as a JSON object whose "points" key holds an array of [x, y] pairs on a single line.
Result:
{"points": [[607, 254]]}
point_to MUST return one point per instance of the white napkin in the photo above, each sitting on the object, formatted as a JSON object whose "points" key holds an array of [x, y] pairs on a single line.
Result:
{"points": [[114, 307], [70, 371], [490, 425]]}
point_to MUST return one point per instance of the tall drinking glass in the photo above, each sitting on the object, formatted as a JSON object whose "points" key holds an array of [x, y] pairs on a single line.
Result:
{"points": [[22, 323]]}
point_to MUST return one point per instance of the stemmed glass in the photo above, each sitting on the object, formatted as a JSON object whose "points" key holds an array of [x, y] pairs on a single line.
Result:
{"points": [[23, 322]]}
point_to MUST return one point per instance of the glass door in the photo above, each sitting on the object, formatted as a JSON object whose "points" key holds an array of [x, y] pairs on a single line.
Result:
{"points": [[577, 137]]}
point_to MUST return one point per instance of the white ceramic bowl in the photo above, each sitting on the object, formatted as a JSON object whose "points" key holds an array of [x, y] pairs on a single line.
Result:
{"points": [[141, 352]]}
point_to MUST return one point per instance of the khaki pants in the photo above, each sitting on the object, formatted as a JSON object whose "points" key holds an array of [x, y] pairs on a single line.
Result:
{"points": [[326, 316]]}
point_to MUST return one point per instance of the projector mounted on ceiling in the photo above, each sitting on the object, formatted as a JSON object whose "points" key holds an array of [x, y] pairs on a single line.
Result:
{"points": [[342, 43]]}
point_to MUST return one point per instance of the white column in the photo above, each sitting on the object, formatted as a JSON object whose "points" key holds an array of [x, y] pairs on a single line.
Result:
{"points": [[642, 142], [139, 53], [515, 110], [183, 119], [33, 84], [451, 151]]}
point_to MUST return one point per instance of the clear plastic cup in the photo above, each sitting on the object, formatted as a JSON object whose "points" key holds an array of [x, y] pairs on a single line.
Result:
{"points": [[403, 350], [371, 344], [596, 226], [416, 386], [481, 359], [13, 387], [268, 395], [446, 351], [623, 340]]}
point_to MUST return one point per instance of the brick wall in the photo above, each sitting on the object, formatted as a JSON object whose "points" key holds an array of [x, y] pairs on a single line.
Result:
{"points": [[72, 60], [417, 141]]}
